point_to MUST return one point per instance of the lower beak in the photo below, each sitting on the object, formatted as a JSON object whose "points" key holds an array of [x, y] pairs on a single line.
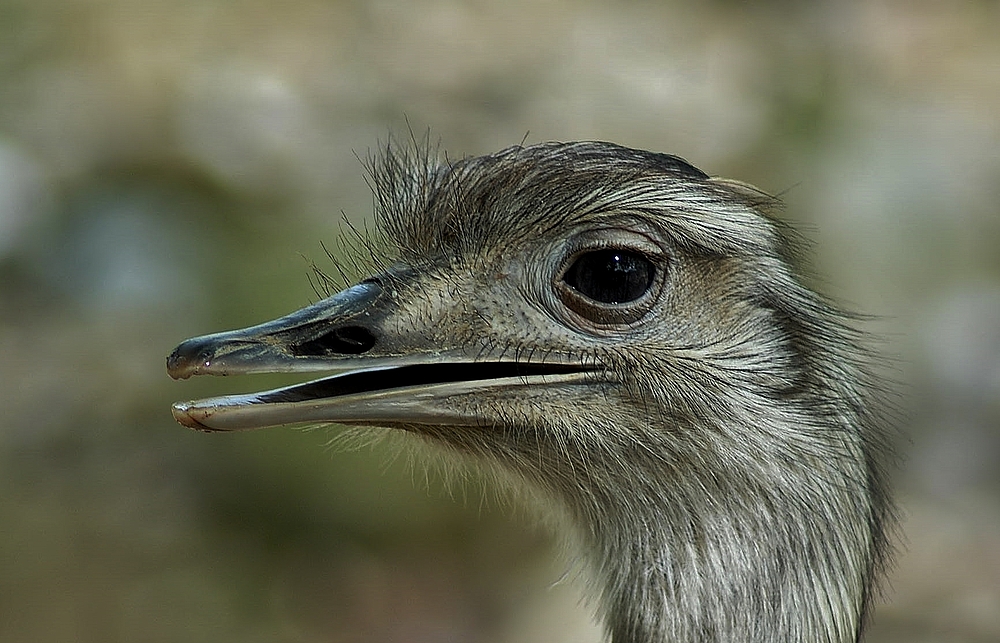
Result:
{"points": [[432, 393]]}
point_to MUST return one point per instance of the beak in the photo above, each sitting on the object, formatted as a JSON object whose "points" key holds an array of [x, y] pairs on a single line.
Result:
{"points": [[385, 378]]}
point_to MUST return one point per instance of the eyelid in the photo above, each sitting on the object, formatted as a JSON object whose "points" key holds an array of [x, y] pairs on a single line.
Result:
{"points": [[599, 238]]}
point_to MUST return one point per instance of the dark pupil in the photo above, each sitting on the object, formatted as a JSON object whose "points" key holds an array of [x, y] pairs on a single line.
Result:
{"points": [[611, 276]]}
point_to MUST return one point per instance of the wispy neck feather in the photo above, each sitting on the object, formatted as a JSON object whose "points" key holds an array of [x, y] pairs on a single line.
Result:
{"points": [[784, 557]]}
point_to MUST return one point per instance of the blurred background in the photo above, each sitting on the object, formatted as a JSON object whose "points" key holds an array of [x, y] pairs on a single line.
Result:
{"points": [[171, 167]]}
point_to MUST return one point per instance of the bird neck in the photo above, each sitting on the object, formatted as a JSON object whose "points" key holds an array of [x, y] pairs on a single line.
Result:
{"points": [[761, 554]]}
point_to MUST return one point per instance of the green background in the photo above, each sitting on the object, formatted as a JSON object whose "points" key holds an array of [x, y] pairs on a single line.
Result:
{"points": [[169, 168]]}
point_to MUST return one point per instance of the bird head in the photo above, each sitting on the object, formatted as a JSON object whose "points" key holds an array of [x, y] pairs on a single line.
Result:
{"points": [[626, 335]]}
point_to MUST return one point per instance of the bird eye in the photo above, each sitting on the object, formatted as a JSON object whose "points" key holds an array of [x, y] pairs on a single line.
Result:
{"points": [[609, 287], [612, 276]]}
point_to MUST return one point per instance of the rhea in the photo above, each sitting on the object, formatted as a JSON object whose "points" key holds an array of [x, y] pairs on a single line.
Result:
{"points": [[625, 336]]}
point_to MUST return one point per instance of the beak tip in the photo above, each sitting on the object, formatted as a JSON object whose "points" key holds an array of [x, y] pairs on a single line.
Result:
{"points": [[182, 414], [190, 357]]}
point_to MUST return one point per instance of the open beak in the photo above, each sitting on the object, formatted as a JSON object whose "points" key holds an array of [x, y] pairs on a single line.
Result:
{"points": [[381, 379]]}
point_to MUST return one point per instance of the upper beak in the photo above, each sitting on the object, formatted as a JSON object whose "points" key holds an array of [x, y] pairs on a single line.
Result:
{"points": [[305, 340], [390, 379]]}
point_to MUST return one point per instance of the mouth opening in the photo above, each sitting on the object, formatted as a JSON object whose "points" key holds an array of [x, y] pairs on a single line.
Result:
{"points": [[373, 380]]}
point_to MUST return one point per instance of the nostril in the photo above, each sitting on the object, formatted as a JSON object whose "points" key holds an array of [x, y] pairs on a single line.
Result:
{"points": [[354, 339], [344, 340]]}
